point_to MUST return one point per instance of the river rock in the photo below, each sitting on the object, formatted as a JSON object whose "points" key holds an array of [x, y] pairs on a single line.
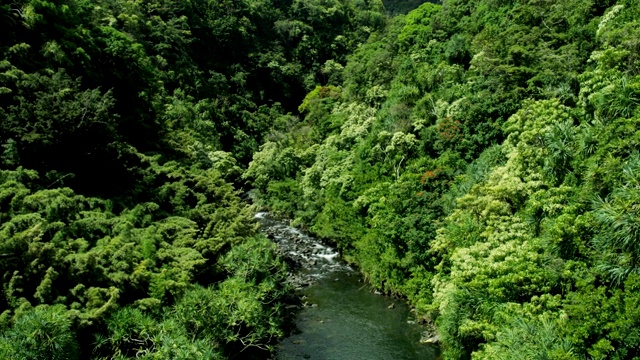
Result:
{"points": [[430, 339]]}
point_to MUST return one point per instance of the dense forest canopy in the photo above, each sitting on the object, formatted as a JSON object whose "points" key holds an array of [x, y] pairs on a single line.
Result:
{"points": [[481, 158], [125, 127], [478, 157]]}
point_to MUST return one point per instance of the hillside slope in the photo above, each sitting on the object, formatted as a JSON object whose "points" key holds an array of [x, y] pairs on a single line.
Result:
{"points": [[124, 129], [481, 158]]}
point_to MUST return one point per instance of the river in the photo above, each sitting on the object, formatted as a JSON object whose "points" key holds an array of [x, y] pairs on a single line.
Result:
{"points": [[341, 317]]}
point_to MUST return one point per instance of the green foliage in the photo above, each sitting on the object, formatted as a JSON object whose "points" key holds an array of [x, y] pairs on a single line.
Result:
{"points": [[125, 130], [241, 314], [133, 334], [62, 248], [478, 157], [617, 216], [481, 161], [417, 25], [535, 339], [44, 332]]}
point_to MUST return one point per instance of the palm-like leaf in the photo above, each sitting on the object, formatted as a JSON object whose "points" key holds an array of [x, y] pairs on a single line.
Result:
{"points": [[619, 220]]}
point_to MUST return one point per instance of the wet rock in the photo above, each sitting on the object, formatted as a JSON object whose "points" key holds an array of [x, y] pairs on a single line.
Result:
{"points": [[300, 252], [430, 339], [392, 306]]}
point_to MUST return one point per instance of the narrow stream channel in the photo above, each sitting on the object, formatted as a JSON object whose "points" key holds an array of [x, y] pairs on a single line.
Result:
{"points": [[341, 318]]}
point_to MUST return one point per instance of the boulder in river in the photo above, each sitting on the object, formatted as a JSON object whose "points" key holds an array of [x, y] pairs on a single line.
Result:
{"points": [[430, 339]]}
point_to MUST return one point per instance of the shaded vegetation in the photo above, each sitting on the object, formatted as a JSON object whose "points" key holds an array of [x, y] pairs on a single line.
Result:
{"points": [[124, 129], [478, 157]]}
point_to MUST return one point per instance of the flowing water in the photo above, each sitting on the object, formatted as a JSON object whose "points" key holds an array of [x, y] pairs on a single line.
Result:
{"points": [[341, 317]]}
